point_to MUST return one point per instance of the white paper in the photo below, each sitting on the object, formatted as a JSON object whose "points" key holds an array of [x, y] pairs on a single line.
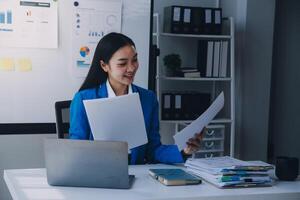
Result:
{"points": [[198, 124], [30, 24], [91, 21], [118, 119]]}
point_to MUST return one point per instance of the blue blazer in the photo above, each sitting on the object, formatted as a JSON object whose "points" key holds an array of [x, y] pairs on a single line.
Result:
{"points": [[152, 152]]}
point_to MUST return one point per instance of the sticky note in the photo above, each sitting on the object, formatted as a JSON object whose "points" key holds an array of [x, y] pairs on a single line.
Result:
{"points": [[7, 64], [24, 65]]}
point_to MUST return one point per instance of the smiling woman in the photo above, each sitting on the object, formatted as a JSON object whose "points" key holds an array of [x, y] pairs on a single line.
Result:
{"points": [[112, 72]]}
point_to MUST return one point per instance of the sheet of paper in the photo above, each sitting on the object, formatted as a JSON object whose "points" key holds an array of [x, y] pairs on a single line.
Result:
{"points": [[197, 125], [118, 119], [29, 24]]}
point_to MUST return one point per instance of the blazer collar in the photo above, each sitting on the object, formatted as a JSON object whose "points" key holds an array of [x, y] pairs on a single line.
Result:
{"points": [[102, 90]]}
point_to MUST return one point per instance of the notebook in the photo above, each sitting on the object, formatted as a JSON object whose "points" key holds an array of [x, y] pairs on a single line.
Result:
{"points": [[174, 177]]}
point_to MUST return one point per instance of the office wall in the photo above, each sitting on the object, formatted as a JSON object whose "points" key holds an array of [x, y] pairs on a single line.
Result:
{"points": [[238, 10], [285, 107], [254, 44], [54, 75], [256, 79], [19, 152]]}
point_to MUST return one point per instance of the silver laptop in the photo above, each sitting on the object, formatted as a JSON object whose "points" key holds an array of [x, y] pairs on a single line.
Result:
{"points": [[83, 163]]}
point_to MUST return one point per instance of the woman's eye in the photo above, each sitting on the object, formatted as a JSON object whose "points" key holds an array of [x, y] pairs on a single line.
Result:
{"points": [[122, 64]]}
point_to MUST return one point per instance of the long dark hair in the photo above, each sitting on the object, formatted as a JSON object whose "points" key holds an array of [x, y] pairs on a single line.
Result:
{"points": [[106, 47]]}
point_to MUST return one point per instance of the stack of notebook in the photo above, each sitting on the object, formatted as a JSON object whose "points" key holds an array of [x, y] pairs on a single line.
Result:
{"points": [[228, 172]]}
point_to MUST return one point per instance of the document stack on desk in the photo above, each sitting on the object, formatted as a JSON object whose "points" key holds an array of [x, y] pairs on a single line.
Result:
{"points": [[228, 172]]}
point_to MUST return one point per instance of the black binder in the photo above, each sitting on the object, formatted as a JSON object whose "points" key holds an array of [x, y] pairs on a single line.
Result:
{"points": [[173, 19], [202, 57], [197, 21], [194, 104], [178, 106], [187, 20], [208, 20], [167, 106], [217, 21], [184, 105]]}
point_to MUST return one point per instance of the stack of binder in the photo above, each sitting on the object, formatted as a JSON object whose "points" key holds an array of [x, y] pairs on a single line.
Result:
{"points": [[192, 20], [184, 105], [212, 58], [228, 172]]}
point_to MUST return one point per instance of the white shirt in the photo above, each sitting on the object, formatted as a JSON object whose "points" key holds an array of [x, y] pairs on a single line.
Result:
{"points": [[110, 91]]}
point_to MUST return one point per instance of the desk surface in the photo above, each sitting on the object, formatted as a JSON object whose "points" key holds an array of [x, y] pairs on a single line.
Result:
{"points": [[31, 184]]}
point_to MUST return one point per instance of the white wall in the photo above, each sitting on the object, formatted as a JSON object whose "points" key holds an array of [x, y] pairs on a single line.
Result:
{"points": [[238, 10], [19, 152]]}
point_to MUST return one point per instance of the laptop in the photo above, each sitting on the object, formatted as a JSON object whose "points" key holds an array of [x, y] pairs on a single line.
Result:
{"points": [[84, 163]]}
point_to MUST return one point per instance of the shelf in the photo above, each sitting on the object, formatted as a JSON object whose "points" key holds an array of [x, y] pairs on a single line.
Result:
{"points": [[212, 139], [194, 79], [209, 151], [197, 36], [215, 121]]}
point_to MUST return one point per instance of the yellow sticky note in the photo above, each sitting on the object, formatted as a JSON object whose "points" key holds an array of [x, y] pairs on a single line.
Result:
{"points": [[7, 64], [24, 65]]}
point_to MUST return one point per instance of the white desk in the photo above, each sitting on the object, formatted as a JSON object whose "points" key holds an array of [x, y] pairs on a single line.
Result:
{"points": [[31, 184]]}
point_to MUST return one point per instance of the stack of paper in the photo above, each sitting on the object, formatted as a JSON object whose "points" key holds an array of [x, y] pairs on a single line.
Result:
{"points": [[226, 172]]}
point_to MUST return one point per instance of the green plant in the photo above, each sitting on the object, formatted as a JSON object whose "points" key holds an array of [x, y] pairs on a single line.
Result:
{"points": [[172, 62]]}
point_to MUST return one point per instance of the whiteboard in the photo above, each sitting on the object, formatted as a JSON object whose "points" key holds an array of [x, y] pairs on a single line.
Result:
{"points": [[29, 97]]}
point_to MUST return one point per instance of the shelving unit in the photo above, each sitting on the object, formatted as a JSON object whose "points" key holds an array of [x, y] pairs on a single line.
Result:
{"points": [[214, 81]]}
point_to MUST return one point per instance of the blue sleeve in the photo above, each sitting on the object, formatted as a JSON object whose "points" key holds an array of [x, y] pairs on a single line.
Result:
{"points": [[79, 125], [155, 150]]}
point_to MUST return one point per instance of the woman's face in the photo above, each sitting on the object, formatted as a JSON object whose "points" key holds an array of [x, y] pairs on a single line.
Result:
{"points": [[122, 66]]}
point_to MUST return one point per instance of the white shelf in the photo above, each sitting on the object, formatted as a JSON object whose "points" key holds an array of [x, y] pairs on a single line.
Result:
{"points": [[212, 139], [212, 83], [210, 151], [219, 37], [195, 79], [215, 121]]}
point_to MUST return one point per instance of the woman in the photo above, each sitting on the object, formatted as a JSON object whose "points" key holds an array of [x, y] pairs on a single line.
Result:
{"points": [[111, 74]]}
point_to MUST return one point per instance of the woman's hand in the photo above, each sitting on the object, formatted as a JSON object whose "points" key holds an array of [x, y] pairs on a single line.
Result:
{"points": [[193, 144]]}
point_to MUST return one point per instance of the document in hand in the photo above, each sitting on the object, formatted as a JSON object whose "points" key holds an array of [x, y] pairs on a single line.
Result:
{"points": [[198, 124], [174, 177], [117, 119]]}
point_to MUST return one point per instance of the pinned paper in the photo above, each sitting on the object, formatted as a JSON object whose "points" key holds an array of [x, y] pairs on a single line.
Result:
{"points": [[24, 65], [7, 64]]}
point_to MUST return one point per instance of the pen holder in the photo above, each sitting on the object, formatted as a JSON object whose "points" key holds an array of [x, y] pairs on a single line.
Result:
{"points": [[287, 168]]}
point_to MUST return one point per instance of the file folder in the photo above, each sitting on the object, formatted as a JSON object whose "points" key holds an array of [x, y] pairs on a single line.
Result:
{"points": [[216, 58], [186, 27], [217, 21], [208, 21], [167, 106], [173, 19], [202, 56], [209, 60], [197, 21], [223, 59]]}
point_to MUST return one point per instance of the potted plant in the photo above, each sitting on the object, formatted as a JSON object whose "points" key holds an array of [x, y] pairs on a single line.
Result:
{"points": [[173, 64]]}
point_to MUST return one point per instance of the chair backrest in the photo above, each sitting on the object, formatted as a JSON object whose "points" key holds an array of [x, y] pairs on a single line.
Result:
{"points": [[62, 118]]}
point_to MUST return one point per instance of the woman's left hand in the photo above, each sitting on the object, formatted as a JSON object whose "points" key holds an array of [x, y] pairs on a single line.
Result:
{"points": [[193, 144]]}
